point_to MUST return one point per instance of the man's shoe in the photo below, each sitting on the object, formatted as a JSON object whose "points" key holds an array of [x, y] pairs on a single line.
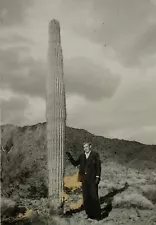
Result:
{"points": [[89, 219], [93, 220]]}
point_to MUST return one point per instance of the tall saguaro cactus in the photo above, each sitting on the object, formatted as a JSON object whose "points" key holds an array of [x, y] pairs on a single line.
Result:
{"points": [[56, 115]]}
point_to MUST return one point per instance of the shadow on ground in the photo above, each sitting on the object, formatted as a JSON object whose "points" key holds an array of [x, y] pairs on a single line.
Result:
{"points": [[107, 199]]}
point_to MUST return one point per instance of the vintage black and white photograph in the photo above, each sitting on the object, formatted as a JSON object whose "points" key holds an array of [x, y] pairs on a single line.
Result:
{"points": [[78, 112]]}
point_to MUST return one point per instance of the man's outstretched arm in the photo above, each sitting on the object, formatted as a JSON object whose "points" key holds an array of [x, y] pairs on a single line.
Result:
{"points": [[73, 161]]}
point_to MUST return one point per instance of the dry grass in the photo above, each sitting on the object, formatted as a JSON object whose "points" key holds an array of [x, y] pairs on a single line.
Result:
{"points": [[139, 194], [117, 216], [71, 182], [132, 200], [149, 191]]}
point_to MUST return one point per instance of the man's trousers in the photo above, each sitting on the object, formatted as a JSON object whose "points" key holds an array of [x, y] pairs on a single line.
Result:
{"points": [[91, 201]]}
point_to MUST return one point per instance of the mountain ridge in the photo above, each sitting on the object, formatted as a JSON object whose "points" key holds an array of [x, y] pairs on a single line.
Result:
{"points": [[80, 129], [33, 138]]}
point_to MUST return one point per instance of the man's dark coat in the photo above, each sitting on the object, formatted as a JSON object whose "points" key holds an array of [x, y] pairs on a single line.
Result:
{"points": [[88, 170], [90, 167]]}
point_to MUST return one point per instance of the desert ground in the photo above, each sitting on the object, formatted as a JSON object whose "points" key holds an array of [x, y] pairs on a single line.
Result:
{"points": [[127, 189]]}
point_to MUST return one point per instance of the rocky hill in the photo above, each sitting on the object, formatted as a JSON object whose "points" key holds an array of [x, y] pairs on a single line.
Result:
{"points": [[24, 166], [32, 139]]}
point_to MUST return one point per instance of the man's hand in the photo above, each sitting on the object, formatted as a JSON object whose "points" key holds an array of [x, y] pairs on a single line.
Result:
{"points": [[69, 155], [97, 180], [72, 160]]}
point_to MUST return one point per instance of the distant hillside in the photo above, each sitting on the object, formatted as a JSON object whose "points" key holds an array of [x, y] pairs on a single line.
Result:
{"points": [[24, 167], [32, 139]]}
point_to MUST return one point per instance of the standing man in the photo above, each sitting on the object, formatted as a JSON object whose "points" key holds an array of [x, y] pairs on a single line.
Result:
{"points": [[89, 175]]}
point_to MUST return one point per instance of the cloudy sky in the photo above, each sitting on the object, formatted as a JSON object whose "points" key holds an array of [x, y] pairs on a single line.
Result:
{"points": [[109, 49]]}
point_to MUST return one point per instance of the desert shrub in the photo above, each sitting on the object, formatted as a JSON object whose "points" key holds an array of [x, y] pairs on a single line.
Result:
{"points": [[22, 174], [132, 200], [149, 191]]}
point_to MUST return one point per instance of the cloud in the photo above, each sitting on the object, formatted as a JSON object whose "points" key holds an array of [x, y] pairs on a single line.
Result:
{"points": [[14, 39], [120, 25], [124, 110], [14, 12], [144, 46], [145, 134], [13, 110], [21, 73], [99, 40], [130, 114], [85, 78]]}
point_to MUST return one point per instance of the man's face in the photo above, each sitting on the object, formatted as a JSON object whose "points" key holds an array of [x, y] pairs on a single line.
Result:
{"points": [[87, 147]]}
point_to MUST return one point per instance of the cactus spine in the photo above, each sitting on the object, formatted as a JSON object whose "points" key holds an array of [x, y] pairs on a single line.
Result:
{"points": [[56, 116]]}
